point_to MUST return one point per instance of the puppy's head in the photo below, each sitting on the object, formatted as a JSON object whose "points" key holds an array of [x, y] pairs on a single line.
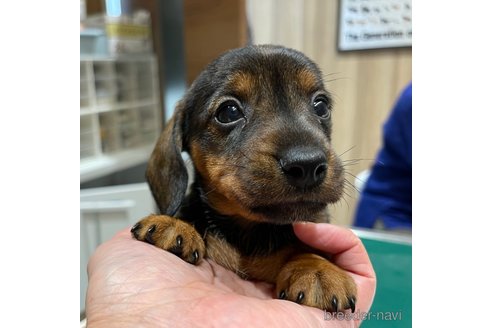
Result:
{"points": [[257, 125]]}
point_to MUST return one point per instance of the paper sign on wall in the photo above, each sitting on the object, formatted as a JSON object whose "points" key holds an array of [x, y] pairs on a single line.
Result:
{"points": [[373, 24]]}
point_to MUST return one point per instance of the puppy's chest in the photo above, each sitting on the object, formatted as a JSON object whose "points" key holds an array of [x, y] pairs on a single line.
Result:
{"points": [[247, 238], [261, 267], [251, 250]]}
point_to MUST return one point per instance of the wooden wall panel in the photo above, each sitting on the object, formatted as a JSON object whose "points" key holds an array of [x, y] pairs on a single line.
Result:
{"points": [[210, 28], [365, 84]]}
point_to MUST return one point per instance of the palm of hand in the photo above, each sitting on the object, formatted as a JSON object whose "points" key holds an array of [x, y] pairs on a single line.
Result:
{"points": [[137, 284]]}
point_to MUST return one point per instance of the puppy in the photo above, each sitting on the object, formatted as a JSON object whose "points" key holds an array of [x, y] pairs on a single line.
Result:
{"points": [[257, 125]]}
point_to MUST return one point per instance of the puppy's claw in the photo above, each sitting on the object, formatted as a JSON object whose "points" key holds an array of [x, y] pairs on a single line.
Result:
{"points": [[300, 297], [177, 249], [136, 227], [334, 304], [352, 303], [282, 295], [196, 256], [173, 235], [148, 235]]}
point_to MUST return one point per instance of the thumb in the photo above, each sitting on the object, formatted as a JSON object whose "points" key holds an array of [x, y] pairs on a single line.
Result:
{"points": [[346, 248]]}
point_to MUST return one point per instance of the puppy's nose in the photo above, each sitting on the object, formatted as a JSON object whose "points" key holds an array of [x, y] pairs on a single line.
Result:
{"points": [[304, 167]]}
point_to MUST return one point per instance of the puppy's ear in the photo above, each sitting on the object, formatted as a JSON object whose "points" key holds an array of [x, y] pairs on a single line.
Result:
{"points": [[166, 170]]}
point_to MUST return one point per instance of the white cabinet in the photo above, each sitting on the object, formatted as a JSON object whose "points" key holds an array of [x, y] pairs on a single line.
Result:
{"points": [[105, 211], [120, 113], [120, 121]]}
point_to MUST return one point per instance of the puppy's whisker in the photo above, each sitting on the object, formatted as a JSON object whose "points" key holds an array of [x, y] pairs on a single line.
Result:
{"points": [[343, 198], [210, 191], [332, 80], [351, 148], [349, 164], [354, 176], [350, 161], [351, 185], [203, 195], [358, 159], [350, 188], [329, 74], [347, 183]]}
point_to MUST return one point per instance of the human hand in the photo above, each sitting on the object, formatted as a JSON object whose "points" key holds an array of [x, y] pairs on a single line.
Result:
{"points": [[134, 284]]}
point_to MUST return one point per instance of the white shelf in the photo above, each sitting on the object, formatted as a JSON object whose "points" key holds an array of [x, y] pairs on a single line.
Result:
{"points": [[129, 105], [96, 167], [120, 113]]}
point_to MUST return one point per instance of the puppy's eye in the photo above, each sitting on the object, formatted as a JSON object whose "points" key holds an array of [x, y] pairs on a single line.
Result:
{"points": [[229, 112], [321, 107]]}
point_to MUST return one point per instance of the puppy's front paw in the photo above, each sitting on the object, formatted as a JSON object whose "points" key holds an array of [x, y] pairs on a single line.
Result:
{"points": [[171, 234], [312, 280]]}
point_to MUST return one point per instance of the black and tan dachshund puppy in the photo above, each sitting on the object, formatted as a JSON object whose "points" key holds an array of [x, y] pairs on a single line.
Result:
{"points": [[257, 125]]}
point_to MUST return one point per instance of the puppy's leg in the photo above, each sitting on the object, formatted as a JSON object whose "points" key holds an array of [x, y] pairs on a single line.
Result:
{"points": [[312, 280], [171, 234]]}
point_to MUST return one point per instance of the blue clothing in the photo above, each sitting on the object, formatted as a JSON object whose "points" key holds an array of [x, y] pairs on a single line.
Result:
{"points": [[387, 195]]}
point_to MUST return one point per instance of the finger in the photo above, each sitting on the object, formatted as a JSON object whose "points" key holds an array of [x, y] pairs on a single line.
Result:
{"points": [[327, 237], [347, 249]]}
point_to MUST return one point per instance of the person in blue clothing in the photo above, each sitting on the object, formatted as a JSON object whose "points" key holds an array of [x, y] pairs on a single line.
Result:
{"points": [[386, 199]]}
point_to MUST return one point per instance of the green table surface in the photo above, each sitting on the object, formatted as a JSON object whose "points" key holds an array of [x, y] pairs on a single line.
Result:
{"points": [[391, 257]]}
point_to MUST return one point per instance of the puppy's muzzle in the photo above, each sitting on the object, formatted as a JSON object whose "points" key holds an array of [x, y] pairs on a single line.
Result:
{"points": [[304, 167]]}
